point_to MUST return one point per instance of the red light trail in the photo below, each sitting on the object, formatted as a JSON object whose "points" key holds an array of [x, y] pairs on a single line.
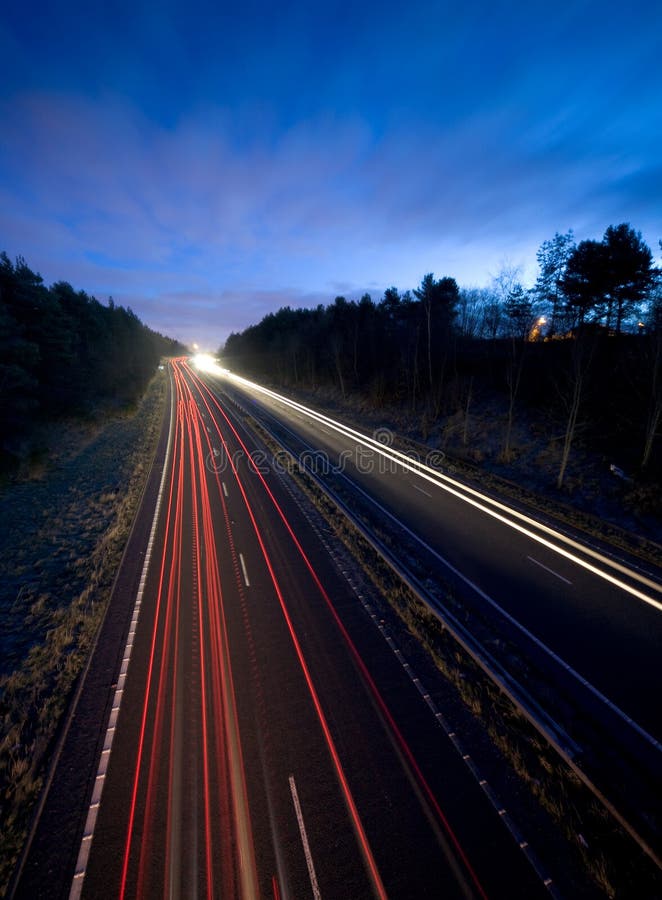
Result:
{"points": [[190, 825], [205, 392]]}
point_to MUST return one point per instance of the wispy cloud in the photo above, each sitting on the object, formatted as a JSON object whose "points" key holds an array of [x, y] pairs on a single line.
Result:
{"points": [[350, 166]]}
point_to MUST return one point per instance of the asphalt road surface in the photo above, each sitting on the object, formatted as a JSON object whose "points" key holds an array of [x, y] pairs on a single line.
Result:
{"points": [[265, 741], [598, 614]]}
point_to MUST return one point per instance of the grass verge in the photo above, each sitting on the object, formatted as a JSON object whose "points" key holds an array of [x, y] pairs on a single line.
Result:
{"points": [[59, 583]]}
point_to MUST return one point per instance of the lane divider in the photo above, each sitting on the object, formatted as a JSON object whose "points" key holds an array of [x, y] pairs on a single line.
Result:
{"points": [[243, 569], [366, 850], [547, 569], [467, 494], [343, 565], [460, 857], [551, 735], [304, 840], [625, 717]]}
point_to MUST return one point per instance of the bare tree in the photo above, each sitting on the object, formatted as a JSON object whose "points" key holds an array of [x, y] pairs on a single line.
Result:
{"points": [[494, 314], [507, 278], [520, 317], [552, 259], [471, 311], [467, 405], [583, 346]]}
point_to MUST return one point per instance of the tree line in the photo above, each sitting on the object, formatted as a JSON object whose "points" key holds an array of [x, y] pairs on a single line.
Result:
{"points": [[585, 341], [63, 353]]}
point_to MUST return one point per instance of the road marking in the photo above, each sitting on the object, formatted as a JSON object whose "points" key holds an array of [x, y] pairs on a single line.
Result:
{"points": [[416, 487], [243, 569], [547, 569], [80, 871], [518, 625], [444, 481], [304, 840], [225, 489]]}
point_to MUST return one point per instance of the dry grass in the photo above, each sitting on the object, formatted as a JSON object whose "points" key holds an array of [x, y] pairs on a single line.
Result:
{"points": [[58, 567]]}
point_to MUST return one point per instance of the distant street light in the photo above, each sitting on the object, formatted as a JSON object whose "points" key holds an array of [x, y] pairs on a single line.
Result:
{"points": [[536, 331]]}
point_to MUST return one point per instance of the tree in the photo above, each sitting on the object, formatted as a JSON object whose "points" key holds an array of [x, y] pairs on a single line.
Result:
{"points": [[495, 298], [629, 272], [652, 355], [471, 311], [553, 256], [519, 313], [584, 283], [63, 353], [401, 325], [439, 301], [520, 316], [505, 279], [582, 351], [340, 316], [585, 286], [493, 316], [425, 294]]}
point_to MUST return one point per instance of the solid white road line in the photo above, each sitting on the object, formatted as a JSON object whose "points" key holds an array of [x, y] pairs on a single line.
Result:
{"points": [[225, 489], [304, 840]]}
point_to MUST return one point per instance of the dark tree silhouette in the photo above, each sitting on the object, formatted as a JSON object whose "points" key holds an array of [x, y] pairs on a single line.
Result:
{"points": [[64, 353], [584, 283], [519, 313], [439, 302], [520, 317], [552, 259], [447, 351], [629, 273], [652, 358]]}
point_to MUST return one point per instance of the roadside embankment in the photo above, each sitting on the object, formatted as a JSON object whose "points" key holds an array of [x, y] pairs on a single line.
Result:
{"points": [[67, 526]]}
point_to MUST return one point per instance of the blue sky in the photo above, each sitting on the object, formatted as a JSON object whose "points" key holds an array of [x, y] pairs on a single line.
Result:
{"points": [[205, 163]]}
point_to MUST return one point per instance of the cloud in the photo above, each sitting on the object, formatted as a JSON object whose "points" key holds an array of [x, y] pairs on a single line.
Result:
{"points": [[207, 319], [206, 223]]}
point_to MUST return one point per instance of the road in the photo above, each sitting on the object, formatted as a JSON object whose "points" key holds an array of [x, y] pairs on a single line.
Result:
{"points": [[599, 615], [264, 738]]}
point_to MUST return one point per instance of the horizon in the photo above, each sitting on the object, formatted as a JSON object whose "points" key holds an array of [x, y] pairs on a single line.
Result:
{"points": [[206, 169]]}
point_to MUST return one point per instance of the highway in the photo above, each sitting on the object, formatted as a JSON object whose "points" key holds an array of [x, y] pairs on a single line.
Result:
{"points": [[571, 628], [600, 615], [264, 739]]}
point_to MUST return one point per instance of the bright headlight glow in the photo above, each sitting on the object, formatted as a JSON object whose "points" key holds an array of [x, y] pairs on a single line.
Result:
{"points": [[206, 363]]}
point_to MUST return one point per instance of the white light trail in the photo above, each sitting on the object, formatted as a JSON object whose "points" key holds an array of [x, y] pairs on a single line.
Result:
{"points": [[473, 497]]}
